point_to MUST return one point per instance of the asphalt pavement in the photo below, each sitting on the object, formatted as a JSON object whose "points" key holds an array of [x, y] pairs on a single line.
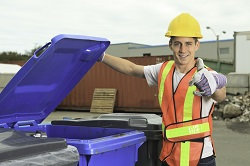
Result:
{"points": [[232, 143]]}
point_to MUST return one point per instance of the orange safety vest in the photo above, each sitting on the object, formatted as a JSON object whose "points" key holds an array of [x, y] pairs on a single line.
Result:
{"points": [[184, 128]]}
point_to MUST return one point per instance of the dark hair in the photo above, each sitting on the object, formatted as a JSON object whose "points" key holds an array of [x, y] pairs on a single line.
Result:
{"points": [[172, 37]]}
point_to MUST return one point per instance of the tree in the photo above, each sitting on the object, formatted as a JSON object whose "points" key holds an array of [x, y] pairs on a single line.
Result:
{"points": [[15, 56]]}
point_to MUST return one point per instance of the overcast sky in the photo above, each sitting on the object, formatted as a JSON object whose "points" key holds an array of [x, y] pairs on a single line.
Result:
{"points": [[25, 24]]}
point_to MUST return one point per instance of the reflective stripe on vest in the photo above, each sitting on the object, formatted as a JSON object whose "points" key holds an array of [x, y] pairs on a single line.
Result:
{"points": [[188, 130], [164, 76], [187, 115], [188, 106], [185, 153]]}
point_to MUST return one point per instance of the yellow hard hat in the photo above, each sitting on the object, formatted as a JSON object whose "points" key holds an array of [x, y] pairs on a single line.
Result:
{"points": [[184, 25]]}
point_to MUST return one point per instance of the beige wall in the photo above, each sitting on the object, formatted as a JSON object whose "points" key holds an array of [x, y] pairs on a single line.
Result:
{"points": [[209, 50]]}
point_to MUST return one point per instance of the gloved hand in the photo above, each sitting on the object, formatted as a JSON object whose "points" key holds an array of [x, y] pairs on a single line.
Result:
{"points": [[100, 59], [206, 81]]}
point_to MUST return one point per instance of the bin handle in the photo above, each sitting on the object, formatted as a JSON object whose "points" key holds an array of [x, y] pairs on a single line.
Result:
{"points": [[42, 48], [132, 122], [25, 123], [4, 125]]}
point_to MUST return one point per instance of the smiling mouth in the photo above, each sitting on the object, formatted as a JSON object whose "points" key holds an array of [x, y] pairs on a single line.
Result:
{"points": [[183, 56]]}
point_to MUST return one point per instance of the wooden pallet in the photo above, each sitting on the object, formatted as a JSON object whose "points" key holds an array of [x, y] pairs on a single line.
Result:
{"points": [[103, 100]]}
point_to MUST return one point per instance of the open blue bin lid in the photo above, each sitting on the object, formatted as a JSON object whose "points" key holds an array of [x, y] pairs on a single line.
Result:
{"points": [[45, 80]]}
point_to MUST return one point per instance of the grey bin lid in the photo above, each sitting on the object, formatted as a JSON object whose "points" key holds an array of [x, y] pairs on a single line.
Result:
{"points": [[133, 117]]}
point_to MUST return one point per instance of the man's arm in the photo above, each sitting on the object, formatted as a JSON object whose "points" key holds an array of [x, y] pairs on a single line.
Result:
{"points": [[124, 66], [219, 95]]}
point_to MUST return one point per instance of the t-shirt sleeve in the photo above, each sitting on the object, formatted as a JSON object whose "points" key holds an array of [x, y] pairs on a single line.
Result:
{"points": [[151, 74]]}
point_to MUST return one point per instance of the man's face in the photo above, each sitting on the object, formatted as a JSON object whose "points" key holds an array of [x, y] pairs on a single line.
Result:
{"points": [[184, 49]]}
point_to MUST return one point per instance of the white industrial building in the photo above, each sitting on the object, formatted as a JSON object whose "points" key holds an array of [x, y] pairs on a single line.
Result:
{"points": [[208, 50]]}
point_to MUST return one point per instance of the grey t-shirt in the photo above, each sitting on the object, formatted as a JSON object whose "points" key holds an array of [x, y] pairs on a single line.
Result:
{"points": [[151, 74]]}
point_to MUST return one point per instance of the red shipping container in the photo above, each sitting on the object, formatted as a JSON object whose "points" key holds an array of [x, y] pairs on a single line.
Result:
{"points": [[133, 94]]}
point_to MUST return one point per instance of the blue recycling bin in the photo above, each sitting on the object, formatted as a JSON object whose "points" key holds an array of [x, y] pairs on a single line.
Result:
{"points": [[99, 146], [150, 124], [44, 81]]}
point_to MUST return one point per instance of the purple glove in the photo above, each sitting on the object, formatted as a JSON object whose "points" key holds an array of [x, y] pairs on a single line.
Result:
{"points": [[204, 87], [100, 59], [206, 81], [220, 79]]}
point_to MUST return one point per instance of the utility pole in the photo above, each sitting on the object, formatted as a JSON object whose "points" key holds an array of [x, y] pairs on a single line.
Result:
{"points": [[218, 66]]}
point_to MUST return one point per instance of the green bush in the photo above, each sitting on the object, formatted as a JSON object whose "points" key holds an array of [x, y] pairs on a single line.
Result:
{"points": [[12, 56]]}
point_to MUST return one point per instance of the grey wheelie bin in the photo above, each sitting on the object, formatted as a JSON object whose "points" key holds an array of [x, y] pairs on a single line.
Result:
{"points": [[22, 149]]}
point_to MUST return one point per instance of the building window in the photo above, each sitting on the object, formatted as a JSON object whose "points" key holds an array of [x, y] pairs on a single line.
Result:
{"points": [[224, 50], [146, 54]]}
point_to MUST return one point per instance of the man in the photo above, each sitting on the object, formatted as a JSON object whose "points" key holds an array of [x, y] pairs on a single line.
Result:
{"points": [[187, 93]]}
